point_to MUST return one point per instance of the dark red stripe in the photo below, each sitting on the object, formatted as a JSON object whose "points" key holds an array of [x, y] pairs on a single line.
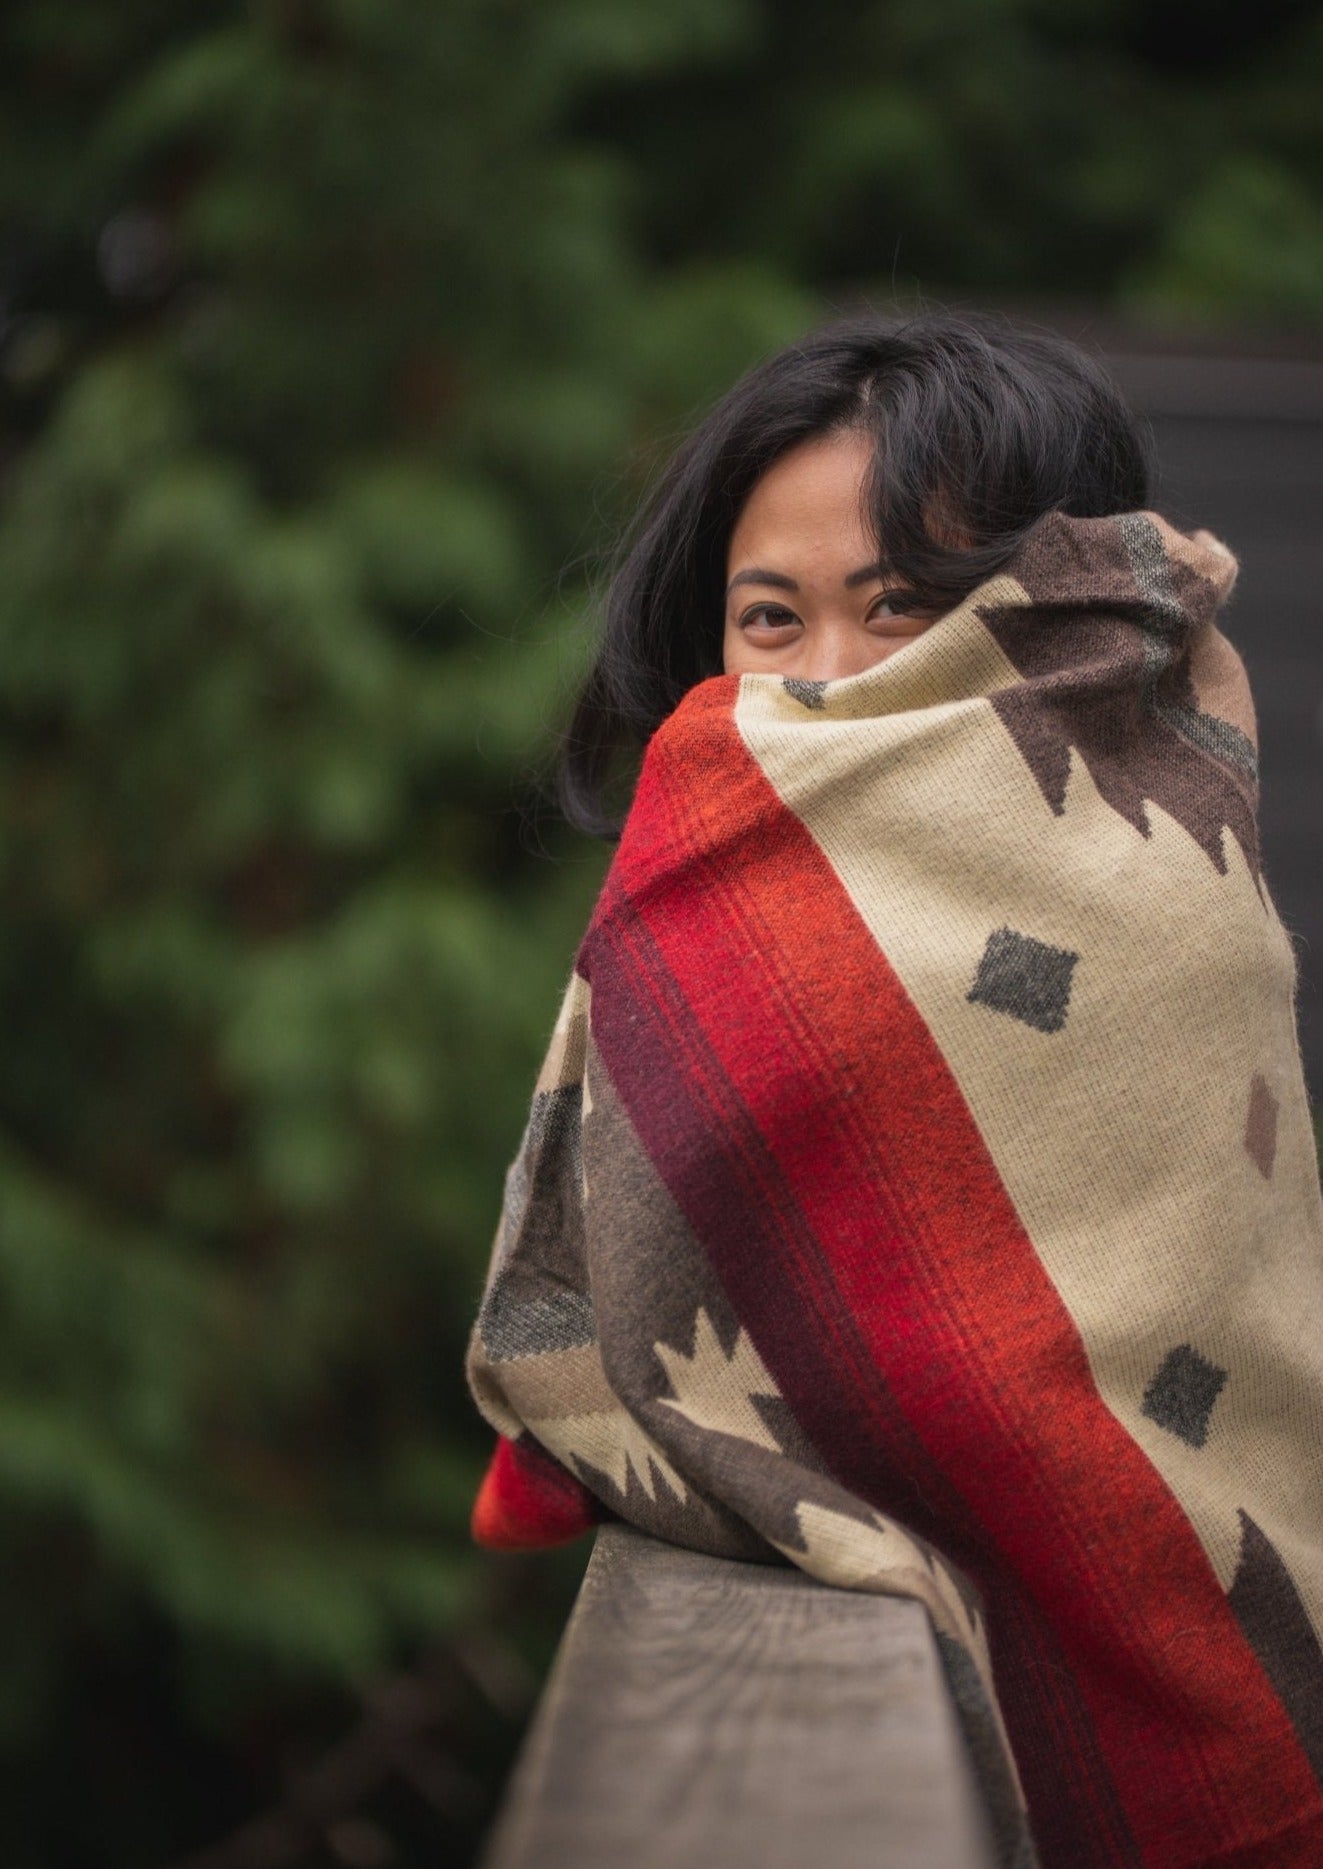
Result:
{"points": [[887, 1221], [760, 1247]]}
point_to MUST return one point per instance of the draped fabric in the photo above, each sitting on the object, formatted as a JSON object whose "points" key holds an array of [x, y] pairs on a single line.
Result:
{"points": [[920, 1189]]}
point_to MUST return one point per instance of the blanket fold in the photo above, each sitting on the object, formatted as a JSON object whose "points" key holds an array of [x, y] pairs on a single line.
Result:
{"points": [[920, 1189]]}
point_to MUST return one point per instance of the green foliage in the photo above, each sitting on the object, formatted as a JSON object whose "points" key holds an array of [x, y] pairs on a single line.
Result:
{"points": [[325, 340], [1249, 245], [1012, 149], [334, 337]]}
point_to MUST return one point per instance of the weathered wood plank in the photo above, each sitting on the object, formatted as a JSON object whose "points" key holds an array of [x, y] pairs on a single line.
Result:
{"points": [[705, 1712]]}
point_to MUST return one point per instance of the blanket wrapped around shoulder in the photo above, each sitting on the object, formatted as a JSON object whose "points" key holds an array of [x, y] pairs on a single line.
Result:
{"points": [[920, 1189]]}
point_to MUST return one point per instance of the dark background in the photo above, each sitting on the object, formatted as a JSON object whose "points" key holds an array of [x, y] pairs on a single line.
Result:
{"points": [[1240, 449], [337, 340]]}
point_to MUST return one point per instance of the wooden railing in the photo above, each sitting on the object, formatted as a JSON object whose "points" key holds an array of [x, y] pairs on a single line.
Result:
{"points": [[719, 1715]]}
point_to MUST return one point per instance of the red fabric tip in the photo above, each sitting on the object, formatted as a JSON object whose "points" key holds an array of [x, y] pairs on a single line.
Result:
{"points": [[529, 1501]]}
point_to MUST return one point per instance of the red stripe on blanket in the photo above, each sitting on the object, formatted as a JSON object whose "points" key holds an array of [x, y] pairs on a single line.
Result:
{"points": [[891, 1227], [760, 1246]]}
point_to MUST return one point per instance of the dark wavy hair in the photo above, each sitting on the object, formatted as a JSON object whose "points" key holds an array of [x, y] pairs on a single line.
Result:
{"points": [[987, 424]]}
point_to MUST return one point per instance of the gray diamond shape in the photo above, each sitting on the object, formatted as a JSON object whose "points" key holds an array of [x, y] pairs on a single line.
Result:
{"points": [[1027, 979], [810, 694], [1180, 1397]]}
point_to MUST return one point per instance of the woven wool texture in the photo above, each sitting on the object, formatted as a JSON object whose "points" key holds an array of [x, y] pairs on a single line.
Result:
{"points": [[920, 1188]]}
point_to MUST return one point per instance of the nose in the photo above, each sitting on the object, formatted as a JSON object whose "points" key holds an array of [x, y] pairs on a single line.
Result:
{"points": [[839, 648]]}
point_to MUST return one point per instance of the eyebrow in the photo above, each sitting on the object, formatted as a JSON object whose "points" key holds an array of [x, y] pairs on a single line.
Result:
{"points": [[779, 581]]}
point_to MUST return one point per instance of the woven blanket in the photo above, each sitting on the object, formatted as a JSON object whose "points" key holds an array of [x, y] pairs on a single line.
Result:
{"points": [[920, 1189]]}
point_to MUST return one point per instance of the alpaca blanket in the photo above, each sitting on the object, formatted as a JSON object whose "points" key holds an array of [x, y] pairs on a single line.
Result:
{"points": [[920, 1189]]}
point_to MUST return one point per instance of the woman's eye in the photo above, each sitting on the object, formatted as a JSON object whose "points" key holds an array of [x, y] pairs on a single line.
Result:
{"points": [[897, 604], [769, 616]]}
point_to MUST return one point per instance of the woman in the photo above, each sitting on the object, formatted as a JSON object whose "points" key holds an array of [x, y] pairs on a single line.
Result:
{"points": [[919, 1186]]}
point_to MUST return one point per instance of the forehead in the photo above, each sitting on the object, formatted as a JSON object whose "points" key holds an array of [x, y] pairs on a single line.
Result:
{"points": [[809, 502]]}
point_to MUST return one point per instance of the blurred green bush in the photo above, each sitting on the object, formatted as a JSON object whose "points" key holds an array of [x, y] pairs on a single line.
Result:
{"points": [[337, 337]]}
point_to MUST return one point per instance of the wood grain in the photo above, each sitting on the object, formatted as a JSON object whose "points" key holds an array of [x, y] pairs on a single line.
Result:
{"points": [[705, 1712]]}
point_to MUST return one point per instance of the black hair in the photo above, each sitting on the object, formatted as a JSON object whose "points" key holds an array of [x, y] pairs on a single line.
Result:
{"points": [[984, 423]]}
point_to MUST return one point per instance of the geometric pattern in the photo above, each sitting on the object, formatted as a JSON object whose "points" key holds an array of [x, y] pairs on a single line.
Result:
{"points": [[1212, 735], [611, 1442], [1026, 978], [716, 1391], [1109, 680], [810, 694], [1267, 1606], [1180, 1397], [514, 1324]]}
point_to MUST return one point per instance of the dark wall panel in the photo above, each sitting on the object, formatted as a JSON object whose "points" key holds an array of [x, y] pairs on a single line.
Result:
{"points": [[1257, 481]]}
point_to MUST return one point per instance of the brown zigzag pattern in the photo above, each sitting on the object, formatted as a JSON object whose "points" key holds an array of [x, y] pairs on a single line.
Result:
{"points": [[1109, 676]]}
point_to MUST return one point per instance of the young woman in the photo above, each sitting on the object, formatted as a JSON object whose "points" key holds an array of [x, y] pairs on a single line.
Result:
{"points": [[920, 1187]]}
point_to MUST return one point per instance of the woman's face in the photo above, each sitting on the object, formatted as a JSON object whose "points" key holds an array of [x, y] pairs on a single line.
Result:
{"points": [[805, 594]]}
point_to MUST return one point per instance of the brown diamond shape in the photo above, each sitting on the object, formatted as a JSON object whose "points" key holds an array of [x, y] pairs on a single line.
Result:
{"points": [[1261, 1126]]}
